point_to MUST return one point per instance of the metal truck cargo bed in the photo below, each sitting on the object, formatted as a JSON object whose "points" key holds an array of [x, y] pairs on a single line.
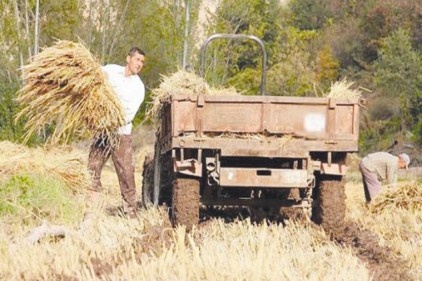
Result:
{"points": [[235, 123]]}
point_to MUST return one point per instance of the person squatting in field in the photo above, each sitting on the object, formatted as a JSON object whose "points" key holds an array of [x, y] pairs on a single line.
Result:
{"points": [[378, 167], [130, 90]]}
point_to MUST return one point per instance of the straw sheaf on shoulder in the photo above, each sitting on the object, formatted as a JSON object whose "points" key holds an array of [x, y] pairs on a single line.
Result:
{"points": [[64, 86]]}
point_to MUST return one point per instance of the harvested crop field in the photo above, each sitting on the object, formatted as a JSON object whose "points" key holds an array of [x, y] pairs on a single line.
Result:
{"points": [[42, 237]]}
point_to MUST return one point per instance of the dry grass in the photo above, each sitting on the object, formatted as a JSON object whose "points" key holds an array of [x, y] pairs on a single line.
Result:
{"points": [[344, 89], [397, 227], [62, 162], [406, 196], [115, 248], [148, 249], [65, 88]]}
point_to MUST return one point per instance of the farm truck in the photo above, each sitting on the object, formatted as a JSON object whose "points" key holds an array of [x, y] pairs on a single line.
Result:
{"points": [[262, 152]]}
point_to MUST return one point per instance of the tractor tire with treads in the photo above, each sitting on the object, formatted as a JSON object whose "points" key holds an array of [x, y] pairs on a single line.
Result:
{"points": [[157, 180], [148, 182], [185, 203], [330, 204]]}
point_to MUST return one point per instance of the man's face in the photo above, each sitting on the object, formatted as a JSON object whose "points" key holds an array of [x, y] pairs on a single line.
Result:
{"points": [[135, 63], [402, 164]]}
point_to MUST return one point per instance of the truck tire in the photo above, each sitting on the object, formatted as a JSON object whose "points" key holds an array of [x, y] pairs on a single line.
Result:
{"points": [[148, 182], [330, 204], [185, 203], [157, 180]]}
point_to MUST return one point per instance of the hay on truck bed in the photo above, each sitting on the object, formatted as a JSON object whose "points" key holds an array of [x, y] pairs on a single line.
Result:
{"points": [[188, 83], [181, 82], [343, 90], [65, 87]]}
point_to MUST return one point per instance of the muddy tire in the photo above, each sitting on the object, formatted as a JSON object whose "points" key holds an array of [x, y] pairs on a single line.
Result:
{"points": [[185, 202], [157, 180], [330, 204], [148, 182]]}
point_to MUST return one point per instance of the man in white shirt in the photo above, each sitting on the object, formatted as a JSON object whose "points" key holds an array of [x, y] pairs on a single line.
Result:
{"points": [[130, 90]]}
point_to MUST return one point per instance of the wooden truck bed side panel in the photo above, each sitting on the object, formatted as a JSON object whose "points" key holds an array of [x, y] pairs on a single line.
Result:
{"points": [[304, 117]]}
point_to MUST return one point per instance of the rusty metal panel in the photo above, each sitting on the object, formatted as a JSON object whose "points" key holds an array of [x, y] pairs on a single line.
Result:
{"points": [[256, 177], [189, 167], [345, 122], [232, 117], [299, 119], [333, 120], [184, 117], [295, 147], [333, 169]]}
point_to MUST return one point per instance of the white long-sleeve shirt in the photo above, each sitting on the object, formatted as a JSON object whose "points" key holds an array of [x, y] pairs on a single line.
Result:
{"points": [[129, 89]]}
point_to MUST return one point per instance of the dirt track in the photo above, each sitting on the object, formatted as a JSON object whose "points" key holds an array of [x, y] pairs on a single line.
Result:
{"points": [[379, 260]]}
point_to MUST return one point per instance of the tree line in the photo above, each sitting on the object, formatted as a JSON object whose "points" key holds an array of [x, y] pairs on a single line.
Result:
{"points": [[310, 44]]}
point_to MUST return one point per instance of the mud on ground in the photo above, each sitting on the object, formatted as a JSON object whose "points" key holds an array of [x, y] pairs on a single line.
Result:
{"points": [[379, 260]]}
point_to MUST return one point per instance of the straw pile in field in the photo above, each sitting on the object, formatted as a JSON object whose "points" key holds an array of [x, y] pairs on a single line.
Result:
{"points": [[407, 196], [61, 162], [182, 82], [64, 87]]}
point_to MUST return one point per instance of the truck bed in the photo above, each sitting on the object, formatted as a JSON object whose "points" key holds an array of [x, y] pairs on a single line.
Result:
{"points": [[260, 124]]}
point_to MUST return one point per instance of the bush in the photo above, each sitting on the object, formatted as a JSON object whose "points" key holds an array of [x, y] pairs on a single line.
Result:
{"points": [[9, 130], [417, 133]]}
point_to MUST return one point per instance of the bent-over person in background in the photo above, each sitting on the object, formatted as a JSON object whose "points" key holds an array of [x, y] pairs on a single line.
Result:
{"points": [[380, 167], [130, 90]]}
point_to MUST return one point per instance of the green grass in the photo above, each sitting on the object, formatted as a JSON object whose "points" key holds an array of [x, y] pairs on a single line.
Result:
{"points": [[33, 198]]}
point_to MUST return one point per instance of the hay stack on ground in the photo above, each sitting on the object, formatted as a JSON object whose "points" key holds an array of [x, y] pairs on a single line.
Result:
{"points": [[182, 82], [407, 196], [68, 166], [64, 87]]}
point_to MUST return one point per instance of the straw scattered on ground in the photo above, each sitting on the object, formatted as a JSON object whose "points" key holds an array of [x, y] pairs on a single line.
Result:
{"points": [[68, 166], [66, 91]]}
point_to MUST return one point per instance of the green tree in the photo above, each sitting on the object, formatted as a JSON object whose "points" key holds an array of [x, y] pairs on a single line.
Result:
{"points": [[293, 74], [398, 75], [327, 68], [9, 129], [310, 14], [238, 62]]}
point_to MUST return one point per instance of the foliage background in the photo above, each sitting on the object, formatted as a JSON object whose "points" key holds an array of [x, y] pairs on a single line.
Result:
{"points": [[310, 44]]}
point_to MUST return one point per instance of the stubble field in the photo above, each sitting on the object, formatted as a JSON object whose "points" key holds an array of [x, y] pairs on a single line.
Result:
{"points": [[44, 239]]}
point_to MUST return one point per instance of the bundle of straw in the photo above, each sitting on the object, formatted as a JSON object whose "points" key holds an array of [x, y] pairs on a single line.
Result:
{"points": [[407, 196], [64, 87], [342, 89], [182, 82]]}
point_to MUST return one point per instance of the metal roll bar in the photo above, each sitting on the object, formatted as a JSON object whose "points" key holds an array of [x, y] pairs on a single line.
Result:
{"points": [[237, 36]]}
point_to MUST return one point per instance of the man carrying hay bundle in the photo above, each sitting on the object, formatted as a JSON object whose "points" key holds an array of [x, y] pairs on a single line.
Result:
{"points": [[130, 90], [378, 167]]}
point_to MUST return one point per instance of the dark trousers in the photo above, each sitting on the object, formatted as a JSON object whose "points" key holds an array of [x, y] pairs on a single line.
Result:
{"points": [[371, 184], [123, 161]]}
